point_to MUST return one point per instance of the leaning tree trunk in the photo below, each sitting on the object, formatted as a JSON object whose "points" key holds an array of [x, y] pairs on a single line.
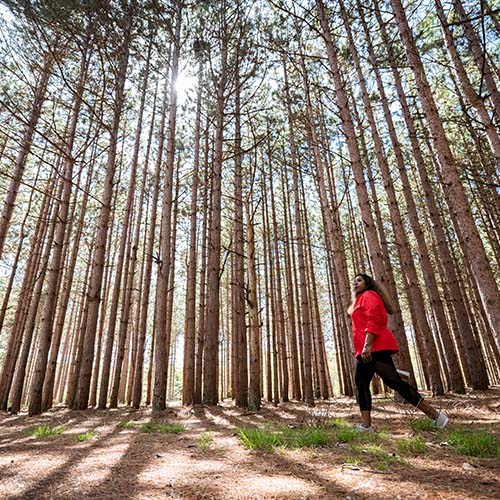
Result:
{"points": [[25, 147], [480, 57], [381, 268], [479, 378], [456, 197]]}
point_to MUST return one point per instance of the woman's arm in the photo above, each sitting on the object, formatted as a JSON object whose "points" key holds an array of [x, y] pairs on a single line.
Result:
{"points": [[366, 354]]}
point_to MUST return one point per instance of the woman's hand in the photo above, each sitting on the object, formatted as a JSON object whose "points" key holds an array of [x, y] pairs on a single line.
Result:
{"points": [[366, 354]]}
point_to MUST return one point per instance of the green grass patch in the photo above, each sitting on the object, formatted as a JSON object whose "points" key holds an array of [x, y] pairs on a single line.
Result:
{"points": [[423, 424], [474, 443], [305, 437], [382, 466], [376, 451], [412, 446], [350, 459], [338, 423], [347, 435], [162, 428], [80, 438], [255, 438], [384, 459], [206, 440], [127, 425], [268, 438], [44, 431]]}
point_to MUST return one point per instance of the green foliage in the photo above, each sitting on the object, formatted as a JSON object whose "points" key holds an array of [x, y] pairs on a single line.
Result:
{"points": [[382, 466], [44, 431], [206, 440], [338, 423], [334, 431], [385, 459], [306, 437], [413, 445], [474, 443], [162, 428], [423, 424], [86, 436], [352, 460], [255, 438], [127, 425], [347, 435]]}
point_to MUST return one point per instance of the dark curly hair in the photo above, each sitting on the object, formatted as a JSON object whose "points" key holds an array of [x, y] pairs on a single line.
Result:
{"points": [[371, 284]]}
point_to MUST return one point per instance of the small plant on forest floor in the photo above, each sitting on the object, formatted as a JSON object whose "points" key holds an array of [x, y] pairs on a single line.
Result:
{"points": [[305, 437], [413, 445], [255, 438], [474, 443], [86, 436], [206, 440], [162, 428], [423, 424], [338, 423], [127, 424], [385, 459], [352, 460], [347, 435], [43, 431]]}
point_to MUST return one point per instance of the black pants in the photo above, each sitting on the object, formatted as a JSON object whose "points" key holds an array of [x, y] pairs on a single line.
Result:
{"points": [[382, 365]]}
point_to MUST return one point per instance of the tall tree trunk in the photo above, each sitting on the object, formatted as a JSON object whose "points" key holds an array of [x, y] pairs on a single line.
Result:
{"points": [[254, 392], [83, 389], [238, 282], [190, 310], [148, 255], [161, 326], [280, 320], [124, 260], [56, 263], [210, 353]]}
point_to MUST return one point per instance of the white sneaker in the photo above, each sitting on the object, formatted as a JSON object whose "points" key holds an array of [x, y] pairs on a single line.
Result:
{"points": [[362, 428], [441, 420]]}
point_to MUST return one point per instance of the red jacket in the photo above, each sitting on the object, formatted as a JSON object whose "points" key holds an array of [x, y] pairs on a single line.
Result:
{"points": [[369, 316]]}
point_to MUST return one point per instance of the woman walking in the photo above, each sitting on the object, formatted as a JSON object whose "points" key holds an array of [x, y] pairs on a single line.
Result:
{"points": [[374, 345]]}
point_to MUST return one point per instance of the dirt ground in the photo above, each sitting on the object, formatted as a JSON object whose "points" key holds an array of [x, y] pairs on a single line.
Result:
{"points": [[121, 462]]}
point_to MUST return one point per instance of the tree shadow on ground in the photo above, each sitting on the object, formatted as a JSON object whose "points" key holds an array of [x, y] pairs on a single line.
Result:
{"points": [[44, 487]]}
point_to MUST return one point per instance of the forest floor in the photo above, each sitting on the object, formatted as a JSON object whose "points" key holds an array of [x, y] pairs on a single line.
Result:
{"points": [[109, 455]]}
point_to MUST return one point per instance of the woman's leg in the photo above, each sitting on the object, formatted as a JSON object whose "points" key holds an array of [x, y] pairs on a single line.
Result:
{"points": [[363, 377], [384, 366]]}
